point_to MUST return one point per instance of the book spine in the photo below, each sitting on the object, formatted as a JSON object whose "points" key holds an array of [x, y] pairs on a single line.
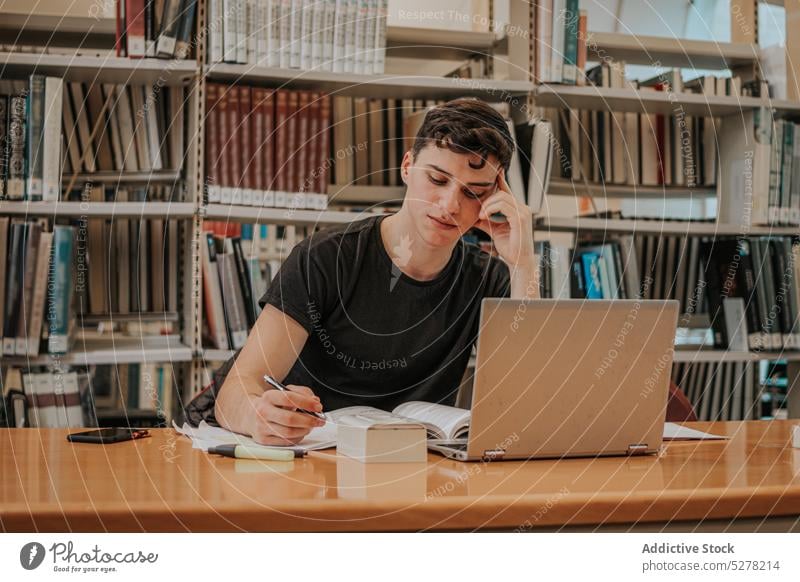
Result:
{"points": [[15, 185], [571, 17], [275, 48], [35, 138], [317, 33], [135, 29], [339, 50], [150, 32], [233, 146], [4, 146], [305, 39], [251, 32], [268, 145], [215, 31], [350, 33], [263, 9], [379, 64], [60, 290], [243, 274], [39, 292], [183, 42], [212, 296], [51, 138], [229, 18]]}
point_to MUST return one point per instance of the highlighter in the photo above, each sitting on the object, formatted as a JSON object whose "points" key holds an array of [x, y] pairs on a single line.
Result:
{"points": [[258, 452]]}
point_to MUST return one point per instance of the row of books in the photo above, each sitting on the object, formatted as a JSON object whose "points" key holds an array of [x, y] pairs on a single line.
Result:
{"points": [[721, 390], [155, 28], [123, 128], [238, 264], [753, 292], [643, 149], [105, 128], [559, 50], [341, 36], [54, 277], [85, 396], [370, 137], [30, 138], [36, 282], [749, 287], [760, 163], [131, 265], [267, 147]]}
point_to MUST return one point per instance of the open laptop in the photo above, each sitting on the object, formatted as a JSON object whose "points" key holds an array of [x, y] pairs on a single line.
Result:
{"points": [[569, 378]]}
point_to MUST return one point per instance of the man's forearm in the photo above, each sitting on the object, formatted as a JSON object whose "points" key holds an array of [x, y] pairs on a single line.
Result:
{"points": [[525, 280], [234, 408]]}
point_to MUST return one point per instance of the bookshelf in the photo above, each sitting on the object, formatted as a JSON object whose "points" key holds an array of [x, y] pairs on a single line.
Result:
{"points": [[193, 211]]}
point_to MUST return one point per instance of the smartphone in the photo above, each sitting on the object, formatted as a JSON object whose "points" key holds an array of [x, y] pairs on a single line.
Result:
{"points": [[108, 435]]}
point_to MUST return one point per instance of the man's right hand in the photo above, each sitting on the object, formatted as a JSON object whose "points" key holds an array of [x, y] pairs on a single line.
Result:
{"points": [[275, 417]]}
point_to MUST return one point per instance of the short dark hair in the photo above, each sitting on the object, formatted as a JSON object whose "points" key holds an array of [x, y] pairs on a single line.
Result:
{"points": [[467, 126]]}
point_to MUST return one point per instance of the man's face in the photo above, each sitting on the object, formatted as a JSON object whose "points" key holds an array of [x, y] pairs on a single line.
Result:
{"points": [[445, 192]]}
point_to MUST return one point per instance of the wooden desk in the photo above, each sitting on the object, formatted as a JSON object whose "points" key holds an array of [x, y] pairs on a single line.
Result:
{"points": [[161, 484]]}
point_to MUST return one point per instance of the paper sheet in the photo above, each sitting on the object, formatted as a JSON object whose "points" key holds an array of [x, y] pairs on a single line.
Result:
{"points": [[205, 436], [676, 431]]}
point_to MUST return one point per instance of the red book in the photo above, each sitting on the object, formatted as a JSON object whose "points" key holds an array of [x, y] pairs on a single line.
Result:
{"points": [[258, 137], [313, 159], [304, 139], [233, 137], [290, 161], [134, 30], [246, 153], [324, 145], [281, 140], [222, 137], [270, 133]]}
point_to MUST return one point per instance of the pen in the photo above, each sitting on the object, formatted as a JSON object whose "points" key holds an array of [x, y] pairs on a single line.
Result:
{"points": [[274, 383], [262, 453]]}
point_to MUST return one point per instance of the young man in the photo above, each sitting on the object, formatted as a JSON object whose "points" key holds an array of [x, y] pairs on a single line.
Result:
{"points": [[385, 309]]}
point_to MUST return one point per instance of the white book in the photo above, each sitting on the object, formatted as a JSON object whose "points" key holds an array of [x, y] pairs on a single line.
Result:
{"points": [[368, 50], [281, 198], [241, 31], [318, 10], [350, 31], [215, 31], [74, 412], [329, 21], [30, 391], [379, 62], [263, 12], [153, 137], [295, 33], [285, 57], [226, 194], [359, 52], [229, 25], [48, 417], [247, 196], [557, 55], [252, 24], [338, 48], [269, 198], [306, 37], [53, 98], [274, 39]]}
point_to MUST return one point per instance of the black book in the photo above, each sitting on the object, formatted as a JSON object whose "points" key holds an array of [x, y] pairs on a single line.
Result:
{"points": [[749, 290], [720, 262], [13, 305], [4, 144], [244, 281]]}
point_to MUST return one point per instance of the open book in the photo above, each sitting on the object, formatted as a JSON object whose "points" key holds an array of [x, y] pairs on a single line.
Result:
{"points": [[441, 422]]}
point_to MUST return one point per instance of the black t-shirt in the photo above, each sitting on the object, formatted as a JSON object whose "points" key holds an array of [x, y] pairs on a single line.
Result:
{"points": [[376, 336]]}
